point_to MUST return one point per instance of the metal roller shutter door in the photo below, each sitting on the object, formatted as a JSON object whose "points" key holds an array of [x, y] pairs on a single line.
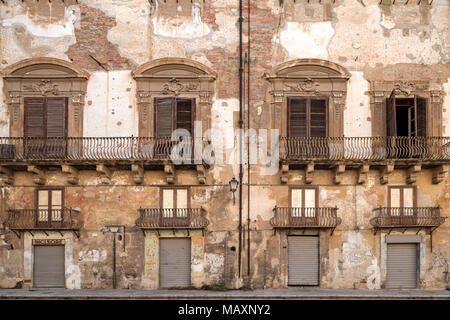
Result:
{"points": [[401, 266], [174, 262], [303, 260], [49, 267]]}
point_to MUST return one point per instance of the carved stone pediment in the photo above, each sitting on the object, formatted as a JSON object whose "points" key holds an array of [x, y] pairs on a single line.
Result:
{"points": [[44, 87], [175, 87]]}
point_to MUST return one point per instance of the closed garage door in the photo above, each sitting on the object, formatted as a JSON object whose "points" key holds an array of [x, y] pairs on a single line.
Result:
{"points": [[175, 263], [303, 256], [49, 267], [402, 266]]}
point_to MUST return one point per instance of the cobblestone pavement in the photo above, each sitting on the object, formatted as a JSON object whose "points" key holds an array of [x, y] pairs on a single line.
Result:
{"points": [[231, 294]]}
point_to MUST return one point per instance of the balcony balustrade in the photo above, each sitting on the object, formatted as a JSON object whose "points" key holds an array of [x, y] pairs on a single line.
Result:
{"points": [[158, 218], [365, 148], [43, 219], [287, 217], [411, 217]]}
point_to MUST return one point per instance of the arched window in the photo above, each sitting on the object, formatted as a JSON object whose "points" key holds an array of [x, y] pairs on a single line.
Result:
{"points": [[308, 98], [45, 97], [173, 93]]}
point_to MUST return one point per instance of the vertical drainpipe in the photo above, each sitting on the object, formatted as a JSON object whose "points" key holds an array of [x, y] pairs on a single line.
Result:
{"points": [[248, 137], [240, 138]]}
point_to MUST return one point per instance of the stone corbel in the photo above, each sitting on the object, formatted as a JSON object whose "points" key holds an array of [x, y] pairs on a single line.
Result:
{"points": [[39, 175], [201, 174], [105, 173], [439, 174], [6, 176], [72, 173], [363, 173], [338, 173], [385, 172], [169, 170], [411, 174], [138, 173], [309, 172], [284, 173]]}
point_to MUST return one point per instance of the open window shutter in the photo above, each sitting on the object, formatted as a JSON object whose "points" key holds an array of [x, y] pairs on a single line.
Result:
{"points": [[34, 117], [184, 114], [164, 117], [421, 116], [391, 116], [56, 117], [318, 118], [297, 118]]}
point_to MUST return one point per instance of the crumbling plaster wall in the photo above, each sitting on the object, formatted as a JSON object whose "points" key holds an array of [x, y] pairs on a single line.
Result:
{"points": [[109, 38]]}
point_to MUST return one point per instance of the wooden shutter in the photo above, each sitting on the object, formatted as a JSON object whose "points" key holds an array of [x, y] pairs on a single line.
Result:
{"points": [[297, 115], [391, 115], [184, 114], [421, 116], [56, 117], [164, 117], [34, 117], [318, 118]]}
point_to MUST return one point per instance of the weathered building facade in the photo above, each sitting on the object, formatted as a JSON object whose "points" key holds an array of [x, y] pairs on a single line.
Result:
{"points": [[92, 90]]}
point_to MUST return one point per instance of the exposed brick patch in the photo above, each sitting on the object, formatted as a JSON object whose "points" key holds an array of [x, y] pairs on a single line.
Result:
{"points": [[92, 41]]}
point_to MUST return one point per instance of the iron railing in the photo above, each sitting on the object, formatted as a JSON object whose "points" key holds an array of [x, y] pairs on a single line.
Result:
{"points": [[92, 148], [407, 217], [365, 148], [286, 217], [54, 219], [157, 218]]}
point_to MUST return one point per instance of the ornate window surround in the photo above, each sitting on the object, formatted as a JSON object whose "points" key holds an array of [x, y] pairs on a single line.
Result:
{"points": [[308, 77], [44, 77], [381, 90], [173, 77]]}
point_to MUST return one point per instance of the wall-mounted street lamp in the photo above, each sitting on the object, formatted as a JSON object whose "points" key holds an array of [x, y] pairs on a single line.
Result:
{"points": [[233, 187]]}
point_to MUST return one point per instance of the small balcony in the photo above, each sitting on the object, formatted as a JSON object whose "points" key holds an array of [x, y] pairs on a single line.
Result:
{"points": [[406, 218], [365, 149], [303, 218], [183, 218], [43, 220]]}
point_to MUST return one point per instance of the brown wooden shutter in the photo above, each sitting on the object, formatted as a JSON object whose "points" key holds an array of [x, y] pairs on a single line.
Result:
{"points": [[56, 117], [297, 114], [391, 115], [34, 117], [184, 114], [318, 118], [164, 117], [421, 116]]}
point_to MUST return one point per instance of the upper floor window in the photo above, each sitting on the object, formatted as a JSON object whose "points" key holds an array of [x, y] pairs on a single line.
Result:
{"points": [[308, 98], [172, 93], [45, 97]]}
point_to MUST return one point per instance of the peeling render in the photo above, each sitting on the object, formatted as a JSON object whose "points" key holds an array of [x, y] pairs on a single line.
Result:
{"points": [[109, 39]]}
